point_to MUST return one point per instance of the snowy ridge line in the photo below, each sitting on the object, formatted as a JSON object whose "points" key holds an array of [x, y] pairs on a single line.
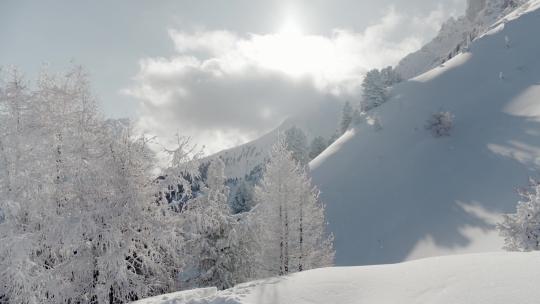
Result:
{"points": [[455, 35], [525, 8]]}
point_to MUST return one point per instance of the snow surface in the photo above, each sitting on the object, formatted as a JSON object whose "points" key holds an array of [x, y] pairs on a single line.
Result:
{"points": [[399, 193], [488, 278]]}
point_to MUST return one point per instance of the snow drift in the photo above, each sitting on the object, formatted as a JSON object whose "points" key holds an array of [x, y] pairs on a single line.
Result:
{"points": [[400, 193], [492, 278]]}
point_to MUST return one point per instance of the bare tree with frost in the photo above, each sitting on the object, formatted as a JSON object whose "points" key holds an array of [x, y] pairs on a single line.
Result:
{"points": [[440, 124], [290, 219], [80, 221], [521, 230], [216, 251]]}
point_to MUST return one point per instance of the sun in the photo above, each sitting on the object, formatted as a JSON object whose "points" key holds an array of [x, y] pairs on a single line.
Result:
{"points": [[295, 53], [290, 28]]}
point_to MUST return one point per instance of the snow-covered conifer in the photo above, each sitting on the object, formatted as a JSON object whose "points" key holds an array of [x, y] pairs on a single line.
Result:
{"points": [[390, 76], [243, 198], [375, 87], [296, 141], [374, 90], [318, 145], [346, 117]]}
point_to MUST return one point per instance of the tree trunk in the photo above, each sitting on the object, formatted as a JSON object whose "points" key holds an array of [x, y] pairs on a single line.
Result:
{"points": [[281, 264], [286, 243], [301, 240]]}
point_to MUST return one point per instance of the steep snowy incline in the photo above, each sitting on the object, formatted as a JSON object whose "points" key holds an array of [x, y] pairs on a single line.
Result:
{"points": [[399, 193], [455, 35], [494, 278]]}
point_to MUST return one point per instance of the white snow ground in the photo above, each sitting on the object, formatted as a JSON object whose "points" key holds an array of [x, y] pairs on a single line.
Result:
{"points": [[488, 278], [399, 193]]}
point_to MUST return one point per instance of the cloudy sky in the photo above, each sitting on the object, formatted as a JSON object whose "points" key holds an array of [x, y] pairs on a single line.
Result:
{"points": [[220, 71]]}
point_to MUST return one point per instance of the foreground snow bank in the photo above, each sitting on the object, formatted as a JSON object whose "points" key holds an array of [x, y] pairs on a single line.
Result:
{"points": [[190, 296], [487, 278]]}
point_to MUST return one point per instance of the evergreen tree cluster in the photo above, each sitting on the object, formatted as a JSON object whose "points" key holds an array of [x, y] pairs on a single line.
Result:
{"points": [[375, 87]]}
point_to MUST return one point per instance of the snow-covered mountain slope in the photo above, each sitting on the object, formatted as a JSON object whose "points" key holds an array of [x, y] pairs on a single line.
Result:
{"points": [[399, 193], [319, 120], [455, 35], [489, 278]]}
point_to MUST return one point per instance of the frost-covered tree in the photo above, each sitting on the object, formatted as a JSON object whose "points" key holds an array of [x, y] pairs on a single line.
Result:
{"points": [[80, 224], [333, 138], [521, 230], [290, 218], [318, 145], [440, 124], [243, 198], [182, 174], [390, 76], [296, 141], [375, 87], [358, 116], [346, 117], [217, 254], [15, 109], [374, 90]]}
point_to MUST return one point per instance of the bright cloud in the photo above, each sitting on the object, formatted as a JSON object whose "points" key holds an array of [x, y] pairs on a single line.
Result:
{"points": [[224, 88]]}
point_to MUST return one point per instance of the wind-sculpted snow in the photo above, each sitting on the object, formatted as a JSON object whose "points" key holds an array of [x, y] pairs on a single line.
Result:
{"points": [[396, 193], [493, 278]]}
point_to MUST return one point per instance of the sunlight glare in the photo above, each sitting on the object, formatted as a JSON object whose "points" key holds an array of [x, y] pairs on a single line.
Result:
{"points": [[290, 28]]}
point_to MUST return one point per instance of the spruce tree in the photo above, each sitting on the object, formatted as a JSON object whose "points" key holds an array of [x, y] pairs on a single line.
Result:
{"points": [[346, 117], [318, 145]]}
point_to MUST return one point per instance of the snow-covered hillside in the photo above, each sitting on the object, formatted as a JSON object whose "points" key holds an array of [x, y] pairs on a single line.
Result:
{"points": [[399, 193], [455, 35], [489, 278]]}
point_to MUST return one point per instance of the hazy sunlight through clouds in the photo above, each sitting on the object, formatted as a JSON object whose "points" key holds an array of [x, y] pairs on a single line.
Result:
{"points": [[225, 88]]}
